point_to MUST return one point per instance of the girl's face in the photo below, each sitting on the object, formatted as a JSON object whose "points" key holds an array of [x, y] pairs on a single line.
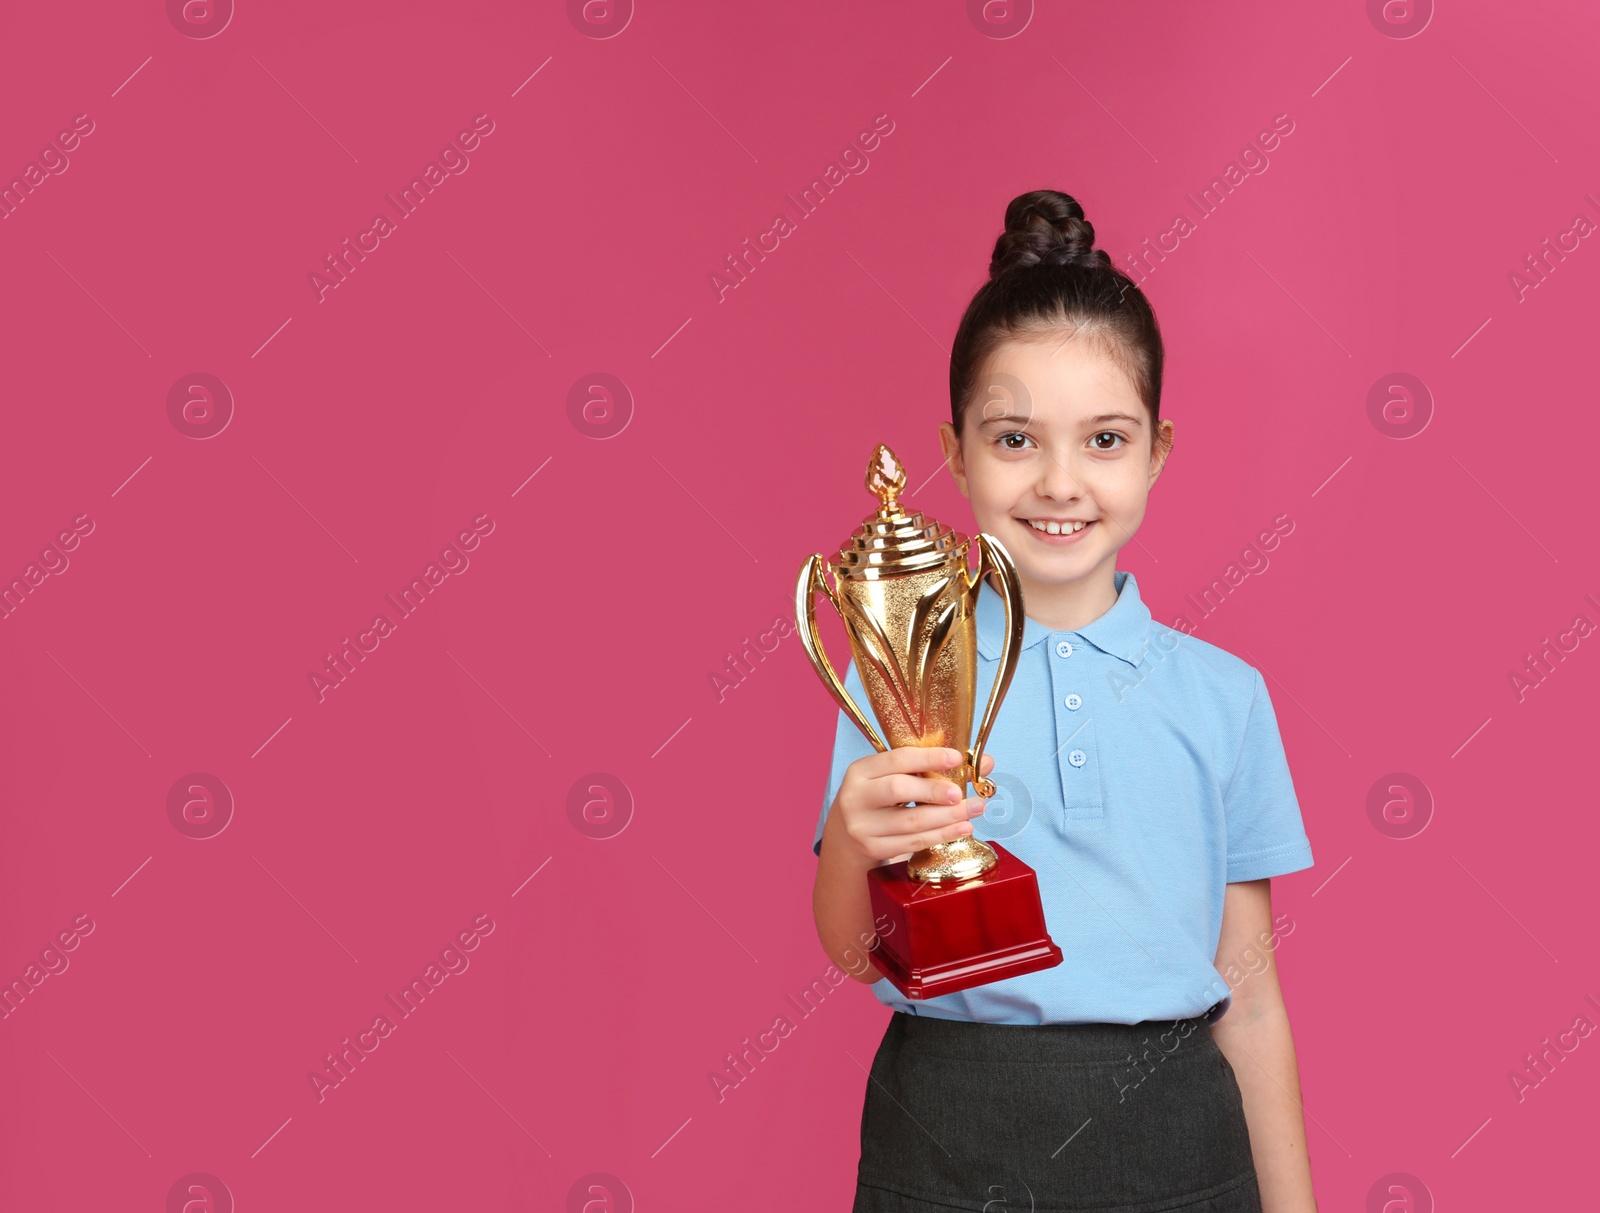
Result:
{"points": [[1057, 438]]}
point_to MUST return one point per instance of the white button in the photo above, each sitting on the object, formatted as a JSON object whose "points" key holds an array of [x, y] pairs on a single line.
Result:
{"points": [[1077, 758], [1063, 649], [1074, 702]]}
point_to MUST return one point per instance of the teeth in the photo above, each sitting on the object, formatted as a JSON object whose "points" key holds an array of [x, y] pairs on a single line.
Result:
{"points": [[1056, 528]]}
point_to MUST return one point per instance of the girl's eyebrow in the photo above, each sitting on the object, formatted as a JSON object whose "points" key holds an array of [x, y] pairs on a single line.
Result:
{"points": [[1011, 418], [1000, 418]]}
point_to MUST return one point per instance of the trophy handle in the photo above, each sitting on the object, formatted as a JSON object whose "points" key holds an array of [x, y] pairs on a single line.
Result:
{"points": [[805, 613], [993, 557]]}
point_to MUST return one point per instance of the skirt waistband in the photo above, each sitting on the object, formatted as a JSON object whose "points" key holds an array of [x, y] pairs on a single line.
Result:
{"points": [[1050, 1043]]}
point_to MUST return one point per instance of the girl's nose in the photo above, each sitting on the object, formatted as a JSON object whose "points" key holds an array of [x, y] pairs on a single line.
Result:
{"points": [[1056, 479]]}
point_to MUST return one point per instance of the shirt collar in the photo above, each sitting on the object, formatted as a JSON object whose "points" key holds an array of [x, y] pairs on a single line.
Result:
{"points": [[1122, 631]]}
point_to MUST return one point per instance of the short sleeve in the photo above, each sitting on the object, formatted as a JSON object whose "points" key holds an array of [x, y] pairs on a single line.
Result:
{"points": [[848, 745], [1266, 836]]}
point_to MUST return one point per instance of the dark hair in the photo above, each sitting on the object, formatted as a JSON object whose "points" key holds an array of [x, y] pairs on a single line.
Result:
{"points": [[1045, 275]]}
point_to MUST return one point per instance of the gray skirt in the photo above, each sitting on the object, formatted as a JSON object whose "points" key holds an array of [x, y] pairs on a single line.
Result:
{"points": [[995, 1118]]}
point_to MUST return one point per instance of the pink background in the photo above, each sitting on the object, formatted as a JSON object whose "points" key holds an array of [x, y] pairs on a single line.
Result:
{"points": [[627, 160]]}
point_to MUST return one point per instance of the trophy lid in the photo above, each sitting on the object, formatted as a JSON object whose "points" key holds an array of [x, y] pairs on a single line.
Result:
{"points": [[892, 542]]}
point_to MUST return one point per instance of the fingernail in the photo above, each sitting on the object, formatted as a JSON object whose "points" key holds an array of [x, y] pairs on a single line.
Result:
{"points": [[951, 757], [952, 794], [976, 808]]}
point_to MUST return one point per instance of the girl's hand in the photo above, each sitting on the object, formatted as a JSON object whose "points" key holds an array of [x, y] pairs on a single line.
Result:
{"points": [[869, 818]]}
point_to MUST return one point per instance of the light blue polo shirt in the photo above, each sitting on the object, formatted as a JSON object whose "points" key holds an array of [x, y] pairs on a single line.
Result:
{"points": [[1138, 770]]}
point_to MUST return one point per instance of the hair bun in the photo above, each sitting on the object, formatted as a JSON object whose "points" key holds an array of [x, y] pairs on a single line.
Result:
{"points": [[1045, 227]]}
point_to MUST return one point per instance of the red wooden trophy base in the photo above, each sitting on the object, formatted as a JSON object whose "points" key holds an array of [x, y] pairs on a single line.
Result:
{"points": [[950, 936]]}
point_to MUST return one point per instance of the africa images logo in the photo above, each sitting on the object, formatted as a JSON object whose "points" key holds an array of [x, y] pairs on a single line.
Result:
{"points": [[453, 561], [340, 1065], [339, 265]]}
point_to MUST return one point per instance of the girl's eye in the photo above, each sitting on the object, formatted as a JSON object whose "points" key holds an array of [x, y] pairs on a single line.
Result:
{"points": [[1099, 443], [1005, 440]]}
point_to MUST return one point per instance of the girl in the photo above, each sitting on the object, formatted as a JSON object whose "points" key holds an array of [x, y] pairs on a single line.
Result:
{"points": [[1141, 776]]}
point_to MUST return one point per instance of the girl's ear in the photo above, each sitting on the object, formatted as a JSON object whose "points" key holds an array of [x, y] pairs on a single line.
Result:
{"points": [[952, 456], [1161, 449]]}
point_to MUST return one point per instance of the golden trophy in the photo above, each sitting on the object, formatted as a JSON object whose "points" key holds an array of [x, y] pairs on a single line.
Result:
{"points": [[963, 913]]}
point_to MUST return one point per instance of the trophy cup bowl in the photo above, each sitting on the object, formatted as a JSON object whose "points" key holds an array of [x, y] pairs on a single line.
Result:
{"points": [[964, 912]]}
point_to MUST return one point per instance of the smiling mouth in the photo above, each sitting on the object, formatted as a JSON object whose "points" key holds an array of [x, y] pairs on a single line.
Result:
{"points": [[1065, 529]]}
